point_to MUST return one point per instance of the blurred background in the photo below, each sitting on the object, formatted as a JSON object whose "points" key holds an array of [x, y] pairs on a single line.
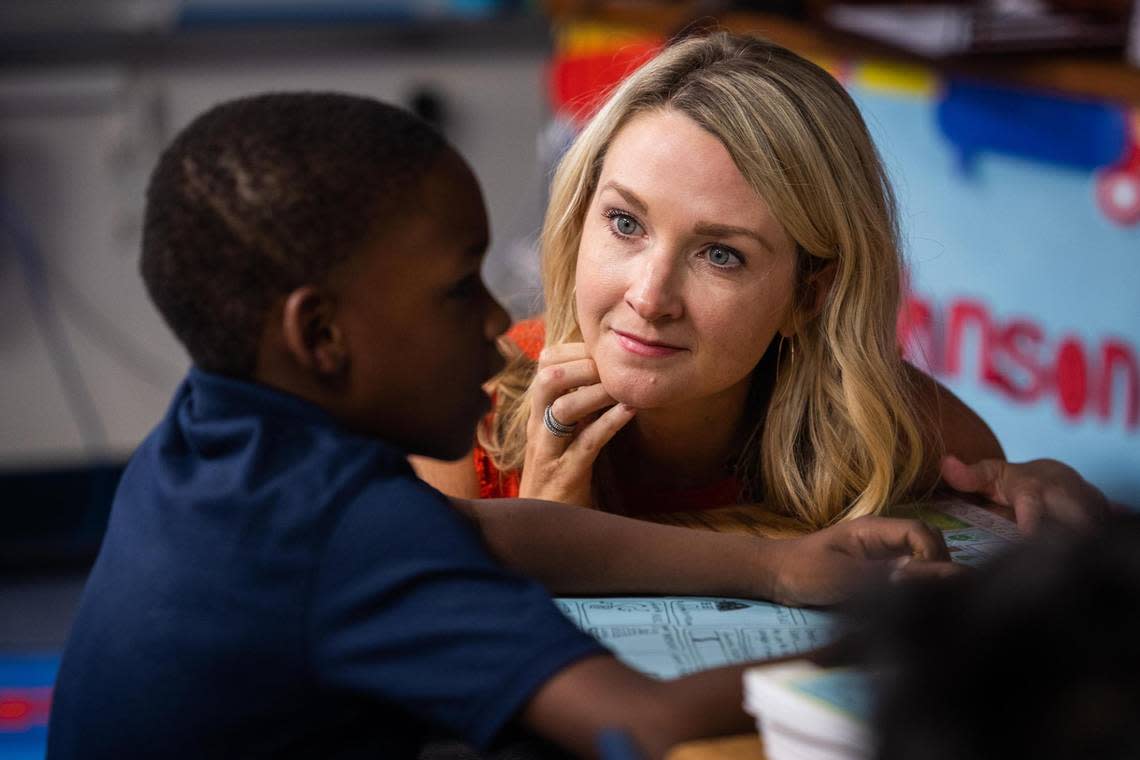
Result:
{"points": [[1011, 129]]}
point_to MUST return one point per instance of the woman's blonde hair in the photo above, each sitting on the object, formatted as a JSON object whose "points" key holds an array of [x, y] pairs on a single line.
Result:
{"points": [[841, 435]]}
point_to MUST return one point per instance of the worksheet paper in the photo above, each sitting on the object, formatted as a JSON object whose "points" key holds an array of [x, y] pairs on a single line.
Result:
{"points": [[667, 637], [972, 534]]}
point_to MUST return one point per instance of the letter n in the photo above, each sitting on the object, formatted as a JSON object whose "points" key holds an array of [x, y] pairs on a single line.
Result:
{"points": [[1116, 354]]}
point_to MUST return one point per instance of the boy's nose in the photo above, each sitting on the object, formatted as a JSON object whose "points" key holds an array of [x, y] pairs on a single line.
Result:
{"points": [[497, 320], [654, 292]]}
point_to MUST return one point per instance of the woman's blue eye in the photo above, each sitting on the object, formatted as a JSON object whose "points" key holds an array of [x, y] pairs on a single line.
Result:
{"points": [[622, 223], [625, 225], [723, 257]]}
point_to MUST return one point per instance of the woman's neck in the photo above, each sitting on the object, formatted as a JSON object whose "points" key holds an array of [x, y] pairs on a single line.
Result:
{"points": [[688, 445]]}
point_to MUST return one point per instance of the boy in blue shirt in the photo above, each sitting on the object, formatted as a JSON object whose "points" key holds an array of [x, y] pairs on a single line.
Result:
{"points": [[275, 581]]}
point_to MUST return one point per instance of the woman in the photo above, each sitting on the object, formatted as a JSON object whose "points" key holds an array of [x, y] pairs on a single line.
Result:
{"points": [[722, 277]]}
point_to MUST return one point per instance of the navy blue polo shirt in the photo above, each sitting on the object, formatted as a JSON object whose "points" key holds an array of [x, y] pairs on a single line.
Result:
{"points": [[271, 584]]}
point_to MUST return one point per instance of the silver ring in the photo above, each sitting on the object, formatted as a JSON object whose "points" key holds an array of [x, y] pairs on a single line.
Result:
{"points": [[556, 428]]}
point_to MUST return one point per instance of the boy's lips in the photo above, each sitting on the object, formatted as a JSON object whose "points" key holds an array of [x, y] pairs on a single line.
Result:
{"points": [[644, 346]]}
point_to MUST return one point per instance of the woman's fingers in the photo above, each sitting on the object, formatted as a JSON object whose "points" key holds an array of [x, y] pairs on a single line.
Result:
{"points": [[580, 407], [554, 380], [571, 408], [559, 465], [572, 391], [561, 353], [598, 433]]}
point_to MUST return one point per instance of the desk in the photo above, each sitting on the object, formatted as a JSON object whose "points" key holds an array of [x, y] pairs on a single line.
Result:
{"points": [[742, 747]]}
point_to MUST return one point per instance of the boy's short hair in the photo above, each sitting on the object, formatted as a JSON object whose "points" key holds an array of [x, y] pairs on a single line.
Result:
{"points": [[261, 195]]}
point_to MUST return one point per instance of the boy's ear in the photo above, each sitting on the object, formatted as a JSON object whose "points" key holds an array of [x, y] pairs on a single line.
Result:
{"points": [[312, 334], [816, 289]]}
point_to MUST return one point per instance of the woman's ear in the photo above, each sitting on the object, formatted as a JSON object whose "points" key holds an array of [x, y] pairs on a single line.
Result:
{"points": [[312, 335]]}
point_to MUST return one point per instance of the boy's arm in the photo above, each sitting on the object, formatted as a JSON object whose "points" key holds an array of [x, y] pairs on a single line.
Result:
{"points": [[583, 551], [599, 692]]}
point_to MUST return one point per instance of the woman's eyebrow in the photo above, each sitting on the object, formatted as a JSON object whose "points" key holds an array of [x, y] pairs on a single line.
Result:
{"points": [[712, 229], [630, 197]]}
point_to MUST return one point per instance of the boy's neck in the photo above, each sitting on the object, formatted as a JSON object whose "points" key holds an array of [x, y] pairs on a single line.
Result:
{"points": [[277, 369]]}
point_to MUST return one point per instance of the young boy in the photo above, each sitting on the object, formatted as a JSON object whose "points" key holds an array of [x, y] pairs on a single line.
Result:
{"points": [[274, 579]]}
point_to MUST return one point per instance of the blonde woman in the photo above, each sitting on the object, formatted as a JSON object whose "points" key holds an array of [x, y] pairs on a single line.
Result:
{"points": [[722, 273]]}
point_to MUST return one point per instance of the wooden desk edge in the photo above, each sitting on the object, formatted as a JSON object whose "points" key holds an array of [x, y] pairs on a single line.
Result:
{"points": [[739, 747]]}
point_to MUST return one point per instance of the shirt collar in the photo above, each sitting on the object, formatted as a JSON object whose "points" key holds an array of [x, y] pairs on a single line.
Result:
{"points": [[214, 395]]}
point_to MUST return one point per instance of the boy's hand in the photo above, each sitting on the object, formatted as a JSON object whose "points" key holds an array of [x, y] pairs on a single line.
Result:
{"points": [[827, 566], [559, 468], [1037, 491]]}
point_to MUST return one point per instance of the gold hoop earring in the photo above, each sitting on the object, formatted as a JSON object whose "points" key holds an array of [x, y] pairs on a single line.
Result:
{"points": [[791, 347], [780, 352]]}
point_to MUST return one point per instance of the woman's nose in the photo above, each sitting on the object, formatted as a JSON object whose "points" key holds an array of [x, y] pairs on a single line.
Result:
{"points": [[654, 292]]}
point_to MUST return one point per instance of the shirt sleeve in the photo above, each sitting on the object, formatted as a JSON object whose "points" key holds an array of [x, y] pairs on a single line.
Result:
{"points": [[410, 609]]}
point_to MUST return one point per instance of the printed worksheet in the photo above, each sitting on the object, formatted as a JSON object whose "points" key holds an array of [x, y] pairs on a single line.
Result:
{"points": [[973, 534], [667, 637]]}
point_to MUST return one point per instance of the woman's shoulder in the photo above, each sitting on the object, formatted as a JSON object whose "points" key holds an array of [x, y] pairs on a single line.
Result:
{"points": [[529, 335]]}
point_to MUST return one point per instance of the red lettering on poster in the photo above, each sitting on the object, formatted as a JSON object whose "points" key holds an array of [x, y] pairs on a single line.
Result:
{"points": [[1021, 340], [1072, 378], [1017, 359], [1117, 358]]}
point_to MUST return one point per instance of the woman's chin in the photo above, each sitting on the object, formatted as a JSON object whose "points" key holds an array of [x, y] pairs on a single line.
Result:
{"points": [[641, 390]]}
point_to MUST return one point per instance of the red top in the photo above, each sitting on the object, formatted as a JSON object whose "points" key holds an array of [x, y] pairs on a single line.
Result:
{"points": [[530, 336]]}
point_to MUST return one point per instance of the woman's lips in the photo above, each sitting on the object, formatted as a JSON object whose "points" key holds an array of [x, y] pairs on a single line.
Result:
{"points": [[644, 346]]}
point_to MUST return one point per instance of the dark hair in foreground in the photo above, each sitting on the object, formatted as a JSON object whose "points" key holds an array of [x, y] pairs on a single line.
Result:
{"points": [[1035, 655], [261, 195]]}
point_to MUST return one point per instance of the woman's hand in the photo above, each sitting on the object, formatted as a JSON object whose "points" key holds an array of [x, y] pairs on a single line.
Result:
{"points": [[829, 565], [560, 468], [1037, 491]]}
